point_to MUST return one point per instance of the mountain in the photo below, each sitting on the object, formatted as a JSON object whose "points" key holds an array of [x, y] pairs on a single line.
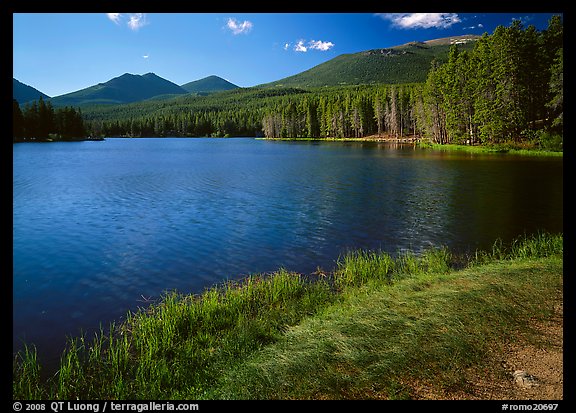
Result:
{"points": [[123, 89], [24, 93], [407, 63], [209, 84]]}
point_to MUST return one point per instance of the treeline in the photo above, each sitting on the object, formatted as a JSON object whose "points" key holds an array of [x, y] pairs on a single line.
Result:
{"points": [[339, 111], [508, 87], [189, 122], [39, 121], [237, 112], [354, 112]]}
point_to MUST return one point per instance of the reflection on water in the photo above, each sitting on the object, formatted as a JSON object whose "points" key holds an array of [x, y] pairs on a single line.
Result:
{"points": [[99, 226]]}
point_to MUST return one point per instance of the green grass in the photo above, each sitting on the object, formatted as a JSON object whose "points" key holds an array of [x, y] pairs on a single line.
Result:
{"points": [[381, 340], [508, 148], [178, 347], [503, 148], [363, 331]]}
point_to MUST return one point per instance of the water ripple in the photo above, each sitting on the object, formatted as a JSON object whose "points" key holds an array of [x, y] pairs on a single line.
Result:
{"points": [[100, 225]]}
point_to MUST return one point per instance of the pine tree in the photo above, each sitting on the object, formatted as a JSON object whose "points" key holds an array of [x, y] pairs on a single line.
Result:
{"points": [[434, 105], [392, 113], [312, 124], [46, 124], [17, 121], [31, 120], [556, 103], [379, 112]]}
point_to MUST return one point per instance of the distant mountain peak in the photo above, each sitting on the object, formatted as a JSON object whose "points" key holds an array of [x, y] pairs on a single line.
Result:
{"points": [[406, 63], [209, 84], [125, 88], [24, 93]]}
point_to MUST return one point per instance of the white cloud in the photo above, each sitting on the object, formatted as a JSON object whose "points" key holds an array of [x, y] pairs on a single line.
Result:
{"points": [[523, 19], [135, 20], [421, 20], [320, 45], [303, 46], [239, 28], [115, 17], [478, 26], [146, 56], [299, 47]]}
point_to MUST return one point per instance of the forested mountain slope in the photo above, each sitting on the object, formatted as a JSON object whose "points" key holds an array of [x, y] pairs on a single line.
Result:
{"points": [[24, 93], [122, 89], [408, 63], [209, 84]]}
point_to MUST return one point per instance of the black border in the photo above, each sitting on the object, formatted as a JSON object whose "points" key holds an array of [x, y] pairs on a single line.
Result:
{"points": [[10, 6]]}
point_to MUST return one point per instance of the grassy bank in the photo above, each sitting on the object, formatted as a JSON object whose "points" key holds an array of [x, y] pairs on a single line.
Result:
{"points": [[509, 148], [369, 329], [372, 138]]}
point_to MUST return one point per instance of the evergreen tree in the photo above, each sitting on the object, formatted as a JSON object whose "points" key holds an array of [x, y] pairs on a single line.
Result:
{"points": [[312, 123], [31, 120], [556, 103], [435, 120], [39, 121], [46, 122], [379, 112], [17, 121]]}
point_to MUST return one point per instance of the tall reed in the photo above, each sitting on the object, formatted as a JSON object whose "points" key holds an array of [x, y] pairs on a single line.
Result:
{"points": [[538, 245]]}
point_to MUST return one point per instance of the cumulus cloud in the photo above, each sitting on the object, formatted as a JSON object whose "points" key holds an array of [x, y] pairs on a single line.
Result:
{"points": [[239, 28], [303, 46], [115, 17], [299, 47], [135, 20], [421, 20], [320, 45]]}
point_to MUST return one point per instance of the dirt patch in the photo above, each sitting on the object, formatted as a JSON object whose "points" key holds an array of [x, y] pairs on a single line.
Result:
{"points": [[532, 370], [543, 361]]}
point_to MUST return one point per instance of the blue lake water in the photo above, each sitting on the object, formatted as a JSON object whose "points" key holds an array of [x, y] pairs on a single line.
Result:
{"points": [[100, 228]]}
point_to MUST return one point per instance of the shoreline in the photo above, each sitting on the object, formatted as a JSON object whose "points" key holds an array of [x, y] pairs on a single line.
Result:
{"points": [[373, 138], [199, 346], [504, 148], [44, 140]]}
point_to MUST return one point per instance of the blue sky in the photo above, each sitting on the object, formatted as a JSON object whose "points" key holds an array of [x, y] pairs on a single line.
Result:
{"points": [[59, 53]]}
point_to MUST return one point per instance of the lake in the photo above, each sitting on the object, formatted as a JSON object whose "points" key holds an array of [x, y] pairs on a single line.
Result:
{"points": [[100, 228]]}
